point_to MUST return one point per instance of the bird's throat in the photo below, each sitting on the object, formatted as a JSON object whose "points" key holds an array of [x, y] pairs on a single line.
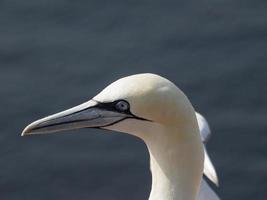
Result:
{"points": [[176, 157], [176, 166]]}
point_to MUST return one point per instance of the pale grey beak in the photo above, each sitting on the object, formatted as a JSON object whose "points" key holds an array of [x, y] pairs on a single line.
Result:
{"points": [[86, 115]]}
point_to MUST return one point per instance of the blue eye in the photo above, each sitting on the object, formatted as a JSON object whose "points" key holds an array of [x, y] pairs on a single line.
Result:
{"points": [[122, 106]]}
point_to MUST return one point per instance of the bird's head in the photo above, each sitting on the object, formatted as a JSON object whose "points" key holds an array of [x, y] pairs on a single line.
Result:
{"points": [[130, 105]]}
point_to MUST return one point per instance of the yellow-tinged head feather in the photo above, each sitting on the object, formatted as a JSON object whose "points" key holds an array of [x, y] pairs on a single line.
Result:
{"points": [[151, 97]]}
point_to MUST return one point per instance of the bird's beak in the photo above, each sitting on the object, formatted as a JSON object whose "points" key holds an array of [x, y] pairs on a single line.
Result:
{"points": [[86, 115]]}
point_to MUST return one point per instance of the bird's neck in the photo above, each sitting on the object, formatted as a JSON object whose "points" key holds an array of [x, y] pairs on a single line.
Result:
{"points": [[176, 164]]}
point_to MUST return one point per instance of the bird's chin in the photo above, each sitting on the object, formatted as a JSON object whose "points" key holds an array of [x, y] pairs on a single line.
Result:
{"points": [[135, 127]]}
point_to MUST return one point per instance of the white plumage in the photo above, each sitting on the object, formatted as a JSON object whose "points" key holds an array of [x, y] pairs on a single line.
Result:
{"points": [[209, 169], [154, 109]]}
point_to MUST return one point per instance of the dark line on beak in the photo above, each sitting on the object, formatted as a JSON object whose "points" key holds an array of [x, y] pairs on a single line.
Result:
{"points": [[109, 106], [58, 124]]}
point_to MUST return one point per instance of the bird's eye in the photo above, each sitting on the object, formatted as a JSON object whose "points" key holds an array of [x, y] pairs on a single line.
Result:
{"points": [[122, 106]]}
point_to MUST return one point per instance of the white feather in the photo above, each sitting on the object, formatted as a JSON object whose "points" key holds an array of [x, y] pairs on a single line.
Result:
{"points": [[209, 170]]}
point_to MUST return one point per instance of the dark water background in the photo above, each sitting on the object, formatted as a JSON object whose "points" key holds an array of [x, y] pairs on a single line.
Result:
{"points": [[56, 54]]}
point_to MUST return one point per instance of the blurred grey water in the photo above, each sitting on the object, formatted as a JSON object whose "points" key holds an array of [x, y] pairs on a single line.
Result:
{"points": [[56, 54]]}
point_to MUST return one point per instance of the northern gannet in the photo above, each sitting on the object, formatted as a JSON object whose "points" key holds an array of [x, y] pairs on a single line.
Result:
{"points": [[157, 111]]}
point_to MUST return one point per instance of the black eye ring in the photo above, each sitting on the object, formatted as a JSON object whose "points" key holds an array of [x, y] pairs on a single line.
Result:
{"points": [[122, 106]]}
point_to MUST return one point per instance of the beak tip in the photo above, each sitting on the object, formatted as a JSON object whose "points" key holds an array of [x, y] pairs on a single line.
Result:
{"points": [[25, 132], [28, 130]]}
